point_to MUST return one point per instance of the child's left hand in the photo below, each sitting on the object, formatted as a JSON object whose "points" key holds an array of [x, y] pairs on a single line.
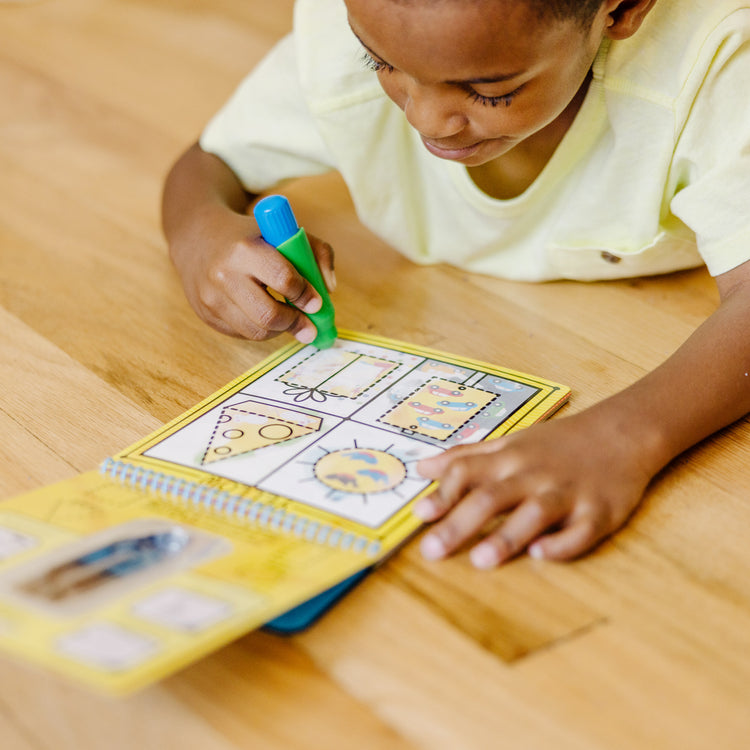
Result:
{"points": [[568, 483], [565, 485]]}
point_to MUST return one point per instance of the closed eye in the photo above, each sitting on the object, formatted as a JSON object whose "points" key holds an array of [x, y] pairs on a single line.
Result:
{"points": [[377, 65], [493, 101]]}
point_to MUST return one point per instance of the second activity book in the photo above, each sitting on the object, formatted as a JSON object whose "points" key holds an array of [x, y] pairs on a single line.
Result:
{"points": [[284, 483]]}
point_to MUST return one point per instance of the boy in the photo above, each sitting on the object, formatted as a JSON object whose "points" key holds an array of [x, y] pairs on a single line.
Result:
{"points": [[530, 139]]}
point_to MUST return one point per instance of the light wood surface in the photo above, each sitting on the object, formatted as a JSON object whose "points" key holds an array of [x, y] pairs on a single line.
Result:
{"points": [[644, 644]]}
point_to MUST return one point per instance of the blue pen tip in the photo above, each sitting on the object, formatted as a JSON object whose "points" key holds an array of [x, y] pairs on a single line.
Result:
{"points": [[275, 219]]}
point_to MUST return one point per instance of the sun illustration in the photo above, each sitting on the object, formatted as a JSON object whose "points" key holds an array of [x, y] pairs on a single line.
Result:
{"points": [[360, 471]]}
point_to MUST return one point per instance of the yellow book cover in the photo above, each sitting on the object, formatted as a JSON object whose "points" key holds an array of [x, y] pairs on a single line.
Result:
{"points": [[282, 484]]}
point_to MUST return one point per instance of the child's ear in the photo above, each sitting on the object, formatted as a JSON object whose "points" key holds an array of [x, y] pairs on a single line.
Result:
{"points": [[624, 17]]}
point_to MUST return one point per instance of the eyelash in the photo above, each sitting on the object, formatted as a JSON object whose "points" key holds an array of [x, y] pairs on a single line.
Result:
{"points": [[493, 101], [378, 66], [375, 65]]}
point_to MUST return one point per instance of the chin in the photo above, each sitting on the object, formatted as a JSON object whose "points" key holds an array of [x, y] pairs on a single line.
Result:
{"points": [[493, 151]]}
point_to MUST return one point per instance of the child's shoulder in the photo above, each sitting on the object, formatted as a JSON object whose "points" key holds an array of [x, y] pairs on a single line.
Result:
{"points": [[330, 58], [679, 40]]}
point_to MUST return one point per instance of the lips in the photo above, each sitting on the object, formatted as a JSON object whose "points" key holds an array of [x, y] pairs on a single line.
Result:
{"points": [[454, 154]]}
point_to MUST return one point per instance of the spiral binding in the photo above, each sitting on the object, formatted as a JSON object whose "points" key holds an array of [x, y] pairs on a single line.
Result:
{"points": [[236, 507]]}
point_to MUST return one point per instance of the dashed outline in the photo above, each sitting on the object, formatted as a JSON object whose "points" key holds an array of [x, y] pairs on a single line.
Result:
{"points": [[382, 417], [318, 389], [257, 414]]}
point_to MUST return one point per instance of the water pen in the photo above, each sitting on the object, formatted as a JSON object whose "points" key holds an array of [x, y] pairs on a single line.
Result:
{"points": [[280, 229]]}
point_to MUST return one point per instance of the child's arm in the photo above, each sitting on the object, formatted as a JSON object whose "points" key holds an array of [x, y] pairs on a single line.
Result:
{"points": [[568, 483], [224, 265]]}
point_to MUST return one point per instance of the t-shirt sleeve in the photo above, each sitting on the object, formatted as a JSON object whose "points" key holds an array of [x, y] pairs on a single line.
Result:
{"points": [[265, 132], [711, 165]]}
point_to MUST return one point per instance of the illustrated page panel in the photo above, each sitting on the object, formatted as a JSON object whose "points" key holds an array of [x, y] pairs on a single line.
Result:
{"points": [[342, 429]]}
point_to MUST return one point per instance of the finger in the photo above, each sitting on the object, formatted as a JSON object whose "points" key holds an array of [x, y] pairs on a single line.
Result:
{"points": [[272, 316], [324, 256], [220, 313], [303, 330], [531, 518], [435, 466], [460, 471], [468, 517], [572, 541], [230, 320], [454, 485], [274, 271], [257, 316]]}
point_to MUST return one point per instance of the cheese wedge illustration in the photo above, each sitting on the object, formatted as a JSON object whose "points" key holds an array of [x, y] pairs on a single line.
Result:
{"points": [[251, 425]]}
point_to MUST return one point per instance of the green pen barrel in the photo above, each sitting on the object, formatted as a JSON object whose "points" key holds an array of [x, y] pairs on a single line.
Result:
{"points": [[279, 228], [298, 252]]}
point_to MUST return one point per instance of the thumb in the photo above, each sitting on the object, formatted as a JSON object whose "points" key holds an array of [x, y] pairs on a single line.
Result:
{"points": [[324, 256]]}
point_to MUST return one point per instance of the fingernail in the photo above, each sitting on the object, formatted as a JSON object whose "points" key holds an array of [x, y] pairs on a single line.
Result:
{"points": [[313, 305], [331, 280], [432, 547], [306, 335], [423, 467], [536, 551], [424, 509], [484, 556]]}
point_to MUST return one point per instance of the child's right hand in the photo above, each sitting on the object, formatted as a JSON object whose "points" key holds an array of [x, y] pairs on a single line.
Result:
{"points": [[227, 269], [225, 266]]}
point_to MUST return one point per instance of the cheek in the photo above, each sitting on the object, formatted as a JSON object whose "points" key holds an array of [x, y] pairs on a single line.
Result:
{"points": [[393, 88], [502, 121], [525, 116]]}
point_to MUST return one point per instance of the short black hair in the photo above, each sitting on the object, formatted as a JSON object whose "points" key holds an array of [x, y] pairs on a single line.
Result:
{"points": [[581, 11]]}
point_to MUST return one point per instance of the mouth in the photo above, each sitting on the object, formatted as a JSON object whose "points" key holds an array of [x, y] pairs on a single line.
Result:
{"points": [[453, 154]]}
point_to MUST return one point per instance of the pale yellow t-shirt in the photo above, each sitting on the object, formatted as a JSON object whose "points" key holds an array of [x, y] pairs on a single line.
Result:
{"points": [[652, 176]]}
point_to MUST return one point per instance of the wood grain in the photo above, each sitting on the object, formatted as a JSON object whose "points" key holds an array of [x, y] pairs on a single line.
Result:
{"points": [[643, 644]]}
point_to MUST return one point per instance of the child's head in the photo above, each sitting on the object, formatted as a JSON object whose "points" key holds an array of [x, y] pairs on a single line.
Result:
{"points": [[580, 11], [477, 77]]}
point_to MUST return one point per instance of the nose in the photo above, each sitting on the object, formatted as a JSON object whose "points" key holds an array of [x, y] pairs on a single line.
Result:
{"points": [[433, 112]]}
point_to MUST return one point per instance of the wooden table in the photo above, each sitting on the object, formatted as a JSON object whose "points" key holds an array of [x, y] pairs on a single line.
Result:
{"points": [[642, 645]]}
